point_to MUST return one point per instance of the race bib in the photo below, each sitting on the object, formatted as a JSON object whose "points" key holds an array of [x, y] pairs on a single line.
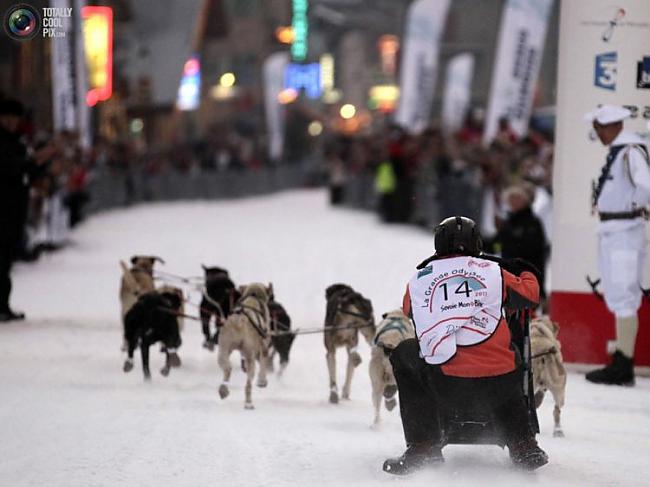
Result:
{"points": [[455, 301]]}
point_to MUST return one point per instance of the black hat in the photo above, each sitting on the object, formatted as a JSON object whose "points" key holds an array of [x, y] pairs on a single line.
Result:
{"points": [[10, 106], [457, 235]]}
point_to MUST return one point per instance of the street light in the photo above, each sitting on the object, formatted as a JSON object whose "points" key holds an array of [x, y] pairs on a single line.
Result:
{"points": [[227, 80], [348, 111]]}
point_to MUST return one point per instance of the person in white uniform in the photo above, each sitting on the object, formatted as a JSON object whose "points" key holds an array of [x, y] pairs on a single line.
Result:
{"points": [[621, 197]]}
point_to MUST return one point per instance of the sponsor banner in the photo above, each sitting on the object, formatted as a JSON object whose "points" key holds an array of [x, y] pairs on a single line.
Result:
{"points": [[458, 91], [424, 25], [603, 59], [519, 55], [63, 72], [274, 71]]}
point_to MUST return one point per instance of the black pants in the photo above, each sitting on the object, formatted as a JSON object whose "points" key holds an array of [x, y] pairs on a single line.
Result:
{"points": [[6, 258], [427, 397]]}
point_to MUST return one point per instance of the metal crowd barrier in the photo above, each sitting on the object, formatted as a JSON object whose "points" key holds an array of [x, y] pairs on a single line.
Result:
{"points": [[433, 199], [111, 188]]}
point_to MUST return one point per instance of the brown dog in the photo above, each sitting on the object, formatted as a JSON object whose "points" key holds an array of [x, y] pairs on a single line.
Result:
{"points": [[394, 327], [548, 367], [136, 281], [348, 313]]}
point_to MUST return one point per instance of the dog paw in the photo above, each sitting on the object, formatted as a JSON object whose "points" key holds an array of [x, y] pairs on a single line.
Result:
{"points": [[262, 383], [355, 358], [208, 345], [391, 403], [223, 391], [128, 366], [390, 390], [174, 360], [249, 406], [345, 395], [147, 378], [558, 433], [165, 371], [334, 397]]}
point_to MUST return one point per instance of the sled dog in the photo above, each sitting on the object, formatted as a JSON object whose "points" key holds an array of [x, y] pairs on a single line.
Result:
{"points": [[246, 330], [548, 367], [347, 314], [394, 327]]}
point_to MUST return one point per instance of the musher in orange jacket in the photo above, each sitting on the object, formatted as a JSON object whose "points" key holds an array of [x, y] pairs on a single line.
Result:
{"points": [[463, 354]]}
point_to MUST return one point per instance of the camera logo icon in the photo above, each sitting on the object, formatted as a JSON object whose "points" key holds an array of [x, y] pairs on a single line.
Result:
{"points": [[22, 22]]}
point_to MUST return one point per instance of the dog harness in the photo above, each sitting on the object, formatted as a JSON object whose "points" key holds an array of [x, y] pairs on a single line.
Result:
{"points": [[394, 323], [257, 324], [455, 302]]}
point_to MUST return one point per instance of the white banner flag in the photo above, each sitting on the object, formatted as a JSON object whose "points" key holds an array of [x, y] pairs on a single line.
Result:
{"points": [[83, 111], [519, 55], [273, 69], [458, 91], [424, 25], [63, 76]]}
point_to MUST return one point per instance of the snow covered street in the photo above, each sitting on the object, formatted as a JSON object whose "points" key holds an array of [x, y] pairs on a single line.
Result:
{"points": [[70, 416]]}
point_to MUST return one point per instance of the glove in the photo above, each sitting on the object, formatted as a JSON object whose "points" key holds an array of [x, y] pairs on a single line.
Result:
{"points": [[517, 265]]}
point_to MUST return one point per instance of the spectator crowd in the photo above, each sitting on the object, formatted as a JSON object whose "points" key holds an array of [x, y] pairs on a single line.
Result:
{"points": [[505, 185]]}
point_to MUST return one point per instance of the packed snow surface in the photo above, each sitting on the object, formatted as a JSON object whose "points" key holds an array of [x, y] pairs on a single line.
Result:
{"points": [[70, 417]]}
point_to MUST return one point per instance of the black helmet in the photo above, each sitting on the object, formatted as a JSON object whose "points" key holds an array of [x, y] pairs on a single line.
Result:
{"points": [[457, 235]]}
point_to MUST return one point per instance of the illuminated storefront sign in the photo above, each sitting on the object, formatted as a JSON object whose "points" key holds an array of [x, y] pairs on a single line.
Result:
{"points": [[189, 90], [98, 45], [383, 97], [327, 72], [304, 77], [388, 46], [300, 26]]}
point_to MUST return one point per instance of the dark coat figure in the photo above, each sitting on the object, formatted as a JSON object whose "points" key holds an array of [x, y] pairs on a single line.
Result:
{"points": [[522, 236], [15, 172], [280, 322], [218, 299], [153, 318]]}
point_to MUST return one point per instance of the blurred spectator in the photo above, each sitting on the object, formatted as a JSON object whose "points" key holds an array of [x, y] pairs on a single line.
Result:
{"points": [[77, 194], [336, 176], [521, 234], [16, 173], [505, 135]]}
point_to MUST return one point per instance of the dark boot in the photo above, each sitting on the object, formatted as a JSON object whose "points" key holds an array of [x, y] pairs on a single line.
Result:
{"points": [[526, 453], [414, 458], [619, 372], [10, 315]]}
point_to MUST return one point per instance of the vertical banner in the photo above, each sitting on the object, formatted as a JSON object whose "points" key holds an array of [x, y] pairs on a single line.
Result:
{"points": [[518, 58], [604, 59], [81, 88], [273, 72], [458, 91], [63, 73], [424, 25]]}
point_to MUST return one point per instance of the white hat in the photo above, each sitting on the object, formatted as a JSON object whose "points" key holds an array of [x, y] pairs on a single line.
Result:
{"points": [[606, 114]]}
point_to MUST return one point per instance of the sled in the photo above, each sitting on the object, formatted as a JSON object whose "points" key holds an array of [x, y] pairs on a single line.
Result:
{"points": [[472, 427]]}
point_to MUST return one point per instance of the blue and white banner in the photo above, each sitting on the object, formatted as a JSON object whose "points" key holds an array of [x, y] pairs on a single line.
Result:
{"points": [[458, 91], [519, 55], [424, 26], [64, 99]]}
